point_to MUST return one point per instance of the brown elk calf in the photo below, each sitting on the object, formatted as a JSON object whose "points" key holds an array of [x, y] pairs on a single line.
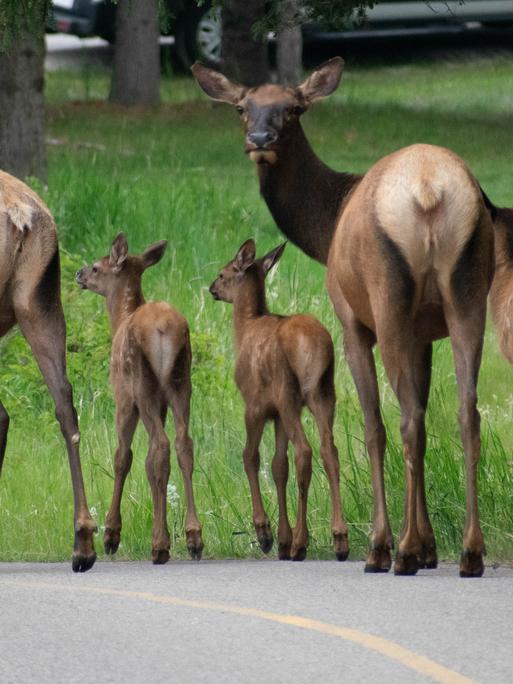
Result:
{"points": [[283, 364], [150, 370], [30, 296]]}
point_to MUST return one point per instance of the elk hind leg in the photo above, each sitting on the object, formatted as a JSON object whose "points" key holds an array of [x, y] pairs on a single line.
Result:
{"points": [[280, 469], [179, 395], [254, 428], [42, 324], [4, 428], [126, 422], [321, 403]]}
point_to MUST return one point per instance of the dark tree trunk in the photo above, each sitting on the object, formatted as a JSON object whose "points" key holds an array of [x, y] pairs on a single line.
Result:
{"points": [[136, 73], [289, 47], [243, 58], [22, 113]]}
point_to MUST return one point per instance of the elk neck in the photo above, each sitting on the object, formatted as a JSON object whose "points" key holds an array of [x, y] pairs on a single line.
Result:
{"points": [[125, 298], [249, 302], [305, 196]]}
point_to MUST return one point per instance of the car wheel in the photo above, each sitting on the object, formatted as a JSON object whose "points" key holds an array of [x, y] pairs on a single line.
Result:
{"points": [[199, 36]]}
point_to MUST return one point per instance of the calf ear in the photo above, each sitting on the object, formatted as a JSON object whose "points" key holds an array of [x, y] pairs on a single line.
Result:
{"points": [[272, 258], [245, 256], [216, 85], [323, 81], [154, 253], [118, 252]]}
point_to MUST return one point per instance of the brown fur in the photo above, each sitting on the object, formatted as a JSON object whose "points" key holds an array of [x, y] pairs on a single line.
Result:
{"points": [[409, 251], [30, 297], [150, 370], [501, 293], [283, 364]]}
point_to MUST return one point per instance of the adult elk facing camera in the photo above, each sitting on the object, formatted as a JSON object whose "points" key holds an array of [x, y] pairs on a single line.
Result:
{"points": [[409, 248], [150, 370], [30, 296], [283, 364]]}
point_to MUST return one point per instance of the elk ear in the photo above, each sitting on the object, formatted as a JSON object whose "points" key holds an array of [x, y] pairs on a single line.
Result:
{"points": [[118, 252], [272, 258], [323, 81], [154, 253], [217, 86], [245, 256]]}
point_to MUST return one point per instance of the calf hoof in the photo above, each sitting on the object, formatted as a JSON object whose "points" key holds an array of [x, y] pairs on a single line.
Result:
{"points": [[81, 562], [471, 564], [341, 546], [378, 560], [265, 537], [111, 540], [194, 544], [428, 559], [298, 553], [406, 563], [283, 551], [159, 556]]}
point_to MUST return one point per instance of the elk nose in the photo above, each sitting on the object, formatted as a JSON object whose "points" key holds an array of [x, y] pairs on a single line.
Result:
{"points": [[262, 138]]}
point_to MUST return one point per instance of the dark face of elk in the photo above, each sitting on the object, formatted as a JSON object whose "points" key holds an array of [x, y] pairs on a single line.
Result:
{"points": [[244, 265], [104, 276], [269, 112]]}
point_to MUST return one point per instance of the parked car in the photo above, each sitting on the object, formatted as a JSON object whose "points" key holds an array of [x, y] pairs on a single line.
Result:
{"points": [[197, 30]]}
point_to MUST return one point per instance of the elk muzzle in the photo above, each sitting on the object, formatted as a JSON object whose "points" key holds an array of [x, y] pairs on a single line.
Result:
{"points": [[259, 146]]}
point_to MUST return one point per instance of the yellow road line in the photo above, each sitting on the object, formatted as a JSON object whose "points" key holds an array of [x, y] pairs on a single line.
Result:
{"points": [[414, 661]]}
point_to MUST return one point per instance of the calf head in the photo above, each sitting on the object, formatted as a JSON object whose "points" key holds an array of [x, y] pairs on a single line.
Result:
{"points": [[270, 112]]}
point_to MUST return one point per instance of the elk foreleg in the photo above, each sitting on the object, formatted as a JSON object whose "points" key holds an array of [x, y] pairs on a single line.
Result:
{"points": [[126, 422], [280, 469], [180, 398], [291, 418], [251, 457], [45, 332], [4, 428], [321, 403]]}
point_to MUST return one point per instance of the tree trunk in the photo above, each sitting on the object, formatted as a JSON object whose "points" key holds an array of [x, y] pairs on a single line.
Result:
{"points": [[22, 113], [243, 58], [136, 73], [289, 45]]}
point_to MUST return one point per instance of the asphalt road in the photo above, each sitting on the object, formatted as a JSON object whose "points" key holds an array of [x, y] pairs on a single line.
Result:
{"points": [[253, 621]]}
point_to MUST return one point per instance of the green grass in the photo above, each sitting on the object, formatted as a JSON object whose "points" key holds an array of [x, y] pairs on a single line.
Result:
{"points": [[178, 172]]}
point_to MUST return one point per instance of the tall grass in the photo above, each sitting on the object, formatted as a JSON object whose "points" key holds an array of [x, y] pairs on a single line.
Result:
{"points": [[178, 172]]}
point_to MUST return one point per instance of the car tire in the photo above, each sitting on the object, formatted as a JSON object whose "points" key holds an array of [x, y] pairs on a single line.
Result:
{"points": [[198, 36]]}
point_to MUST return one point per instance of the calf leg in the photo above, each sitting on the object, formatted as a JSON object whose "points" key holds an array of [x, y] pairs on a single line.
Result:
{"points": [[45, 332], [180, 398], [126, 422], [251, 457], [4, 428], [280, 468], [291, 418], [321, 403]]}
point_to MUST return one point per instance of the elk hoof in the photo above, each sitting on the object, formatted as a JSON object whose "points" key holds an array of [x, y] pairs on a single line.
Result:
{"points": [[81, 562], [194, 544], [111, 540], [265, 537], [159, 556], [471, 564], [284, 551], [341, 546], [428, 559], [298, 553], [378, 560], [406, 563]]}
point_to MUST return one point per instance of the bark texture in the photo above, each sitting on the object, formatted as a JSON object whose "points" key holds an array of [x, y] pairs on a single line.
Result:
{"points": [[22, 112], [136, 72], [244, 59], [289, 45]]}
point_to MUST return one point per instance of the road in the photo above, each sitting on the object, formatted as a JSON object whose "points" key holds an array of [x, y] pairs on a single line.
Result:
{"points": [[253, 621]]}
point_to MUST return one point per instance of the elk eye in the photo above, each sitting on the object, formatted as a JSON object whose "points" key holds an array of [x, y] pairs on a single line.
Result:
{"points": [[94, 269], [221, 276], [239, 109]]}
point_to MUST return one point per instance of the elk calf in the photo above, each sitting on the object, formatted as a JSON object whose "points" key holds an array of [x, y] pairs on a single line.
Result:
{"points": [[150, 370], [283, 364]]}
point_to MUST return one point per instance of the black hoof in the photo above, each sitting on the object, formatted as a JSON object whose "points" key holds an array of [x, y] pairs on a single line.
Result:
{"points": [[195, 552], [376, 569], [341, 546], [284, 552], [81, 563], [428, 559], [160, 556], [265, 540], [299, 554], [110, 546], [471, 564], [379, 560], [406, 564]]}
